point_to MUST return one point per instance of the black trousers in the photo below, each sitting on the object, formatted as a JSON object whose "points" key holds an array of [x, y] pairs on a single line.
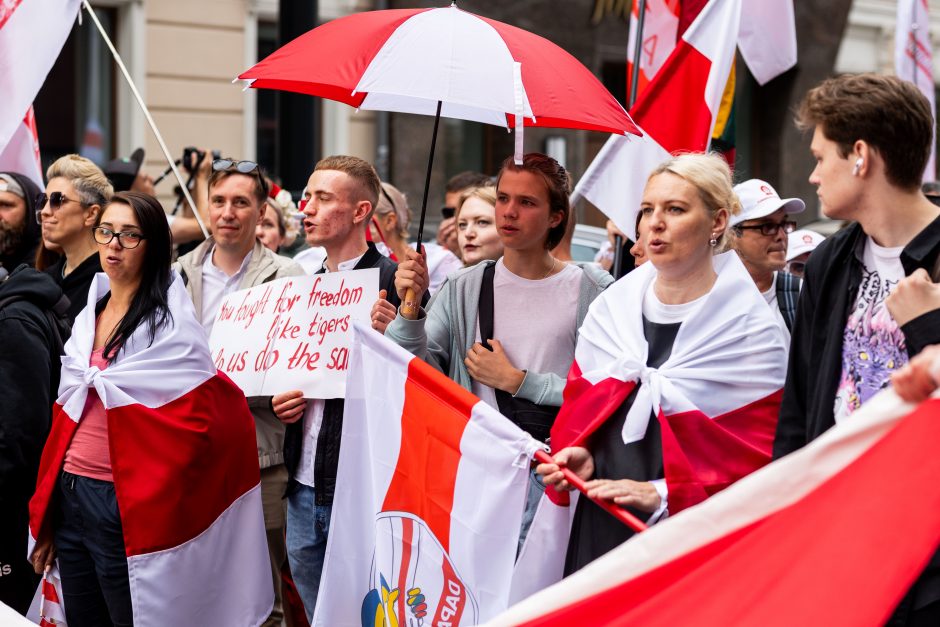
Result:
{"points": [[90, 548]]}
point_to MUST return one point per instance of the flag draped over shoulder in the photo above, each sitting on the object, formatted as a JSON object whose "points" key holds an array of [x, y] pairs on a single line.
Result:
{"points": [[811, 539], [185, 466], [434, 483], [32, 33], [717, 396], [716, 399]]}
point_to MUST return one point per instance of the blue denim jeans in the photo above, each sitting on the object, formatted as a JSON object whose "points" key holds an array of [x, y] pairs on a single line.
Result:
{"points": [[89, 544], [308, 526], [532, 498]]}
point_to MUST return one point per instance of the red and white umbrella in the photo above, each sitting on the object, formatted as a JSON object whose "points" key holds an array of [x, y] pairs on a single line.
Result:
{"points": [[408, 60], [446, 62]]}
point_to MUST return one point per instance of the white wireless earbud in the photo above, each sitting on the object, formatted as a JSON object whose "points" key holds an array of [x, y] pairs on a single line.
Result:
{"points": [[858, 166]]}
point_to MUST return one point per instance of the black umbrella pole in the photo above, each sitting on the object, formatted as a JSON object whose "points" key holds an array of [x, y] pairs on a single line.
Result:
{"points": [[410, 305]]}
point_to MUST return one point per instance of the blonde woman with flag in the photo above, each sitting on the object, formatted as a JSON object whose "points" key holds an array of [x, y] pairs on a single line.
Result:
{"points": [[148, 483], [678, 369]]}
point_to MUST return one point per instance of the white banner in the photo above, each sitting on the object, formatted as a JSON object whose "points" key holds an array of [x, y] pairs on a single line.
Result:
{"points": [[294, 333]]}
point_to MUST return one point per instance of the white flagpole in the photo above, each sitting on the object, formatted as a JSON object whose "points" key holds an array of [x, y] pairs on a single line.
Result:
{"points": [[153, 125]]}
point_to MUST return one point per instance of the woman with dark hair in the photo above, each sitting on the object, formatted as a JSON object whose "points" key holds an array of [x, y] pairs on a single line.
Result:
{"points": [[489, 327], [136, 345]]}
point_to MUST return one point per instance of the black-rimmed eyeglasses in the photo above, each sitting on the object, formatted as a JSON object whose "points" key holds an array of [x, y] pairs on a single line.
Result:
{"points": [[55, 200], [769, 229], [126, 239]]}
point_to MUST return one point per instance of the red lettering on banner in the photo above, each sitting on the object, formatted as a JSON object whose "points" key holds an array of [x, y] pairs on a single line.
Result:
{"points": [[303, 357], [453, 598], [283, 303]]}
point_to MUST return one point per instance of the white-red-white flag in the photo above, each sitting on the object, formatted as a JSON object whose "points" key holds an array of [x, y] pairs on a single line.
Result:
{"points": [[32, 34], [433, 487], [185, 466], [676, 112], [913, 59], [47, 609], [678, 108], [21, 154], [804, 541]]}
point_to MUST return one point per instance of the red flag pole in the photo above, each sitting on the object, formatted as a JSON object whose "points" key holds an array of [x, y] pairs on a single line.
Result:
{"points": [[617, 512]]}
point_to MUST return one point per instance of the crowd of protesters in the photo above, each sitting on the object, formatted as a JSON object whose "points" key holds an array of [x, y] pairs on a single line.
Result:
{"points": [[728, 304]]}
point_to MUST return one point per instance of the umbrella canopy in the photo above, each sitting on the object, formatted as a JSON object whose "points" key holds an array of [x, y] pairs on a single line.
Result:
{"points": [[409, 60]]}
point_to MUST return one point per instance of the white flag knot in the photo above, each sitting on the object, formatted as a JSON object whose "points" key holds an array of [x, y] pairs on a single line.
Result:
{"points": [[91, 375], [647, 400]]}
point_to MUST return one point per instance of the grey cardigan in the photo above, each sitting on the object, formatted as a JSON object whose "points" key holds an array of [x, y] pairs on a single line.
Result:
{"points": [[445, 331]]}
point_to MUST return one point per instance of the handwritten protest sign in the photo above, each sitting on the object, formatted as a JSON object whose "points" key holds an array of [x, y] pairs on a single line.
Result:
{"points": [[294, 333]]}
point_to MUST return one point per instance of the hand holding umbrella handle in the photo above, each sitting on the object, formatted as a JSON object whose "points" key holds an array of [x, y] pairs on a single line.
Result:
{"points": [[410, 305]]}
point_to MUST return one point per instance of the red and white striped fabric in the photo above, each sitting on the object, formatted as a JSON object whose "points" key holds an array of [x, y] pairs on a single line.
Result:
{"points": [[32, 34], [433, 484], [676, 112], [185, 466], [716, 397], [21, 154], [913, 59], [46, 609], [811, 539]]}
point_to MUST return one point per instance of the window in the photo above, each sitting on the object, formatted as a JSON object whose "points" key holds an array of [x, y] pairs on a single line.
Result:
{"points": [[266, 133]]}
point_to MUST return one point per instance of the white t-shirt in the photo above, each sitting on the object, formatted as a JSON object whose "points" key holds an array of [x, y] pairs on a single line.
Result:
{"points": [[313, 413], [216, 285], [771, 297], [535, 321], [311, 259], [872, 343]]}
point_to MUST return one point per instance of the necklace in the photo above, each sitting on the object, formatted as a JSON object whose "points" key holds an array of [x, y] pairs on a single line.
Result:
{"points": [[549, 270]]}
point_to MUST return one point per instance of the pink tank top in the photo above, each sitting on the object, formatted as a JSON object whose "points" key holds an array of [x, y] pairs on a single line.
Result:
{"points": [[88, 454]]}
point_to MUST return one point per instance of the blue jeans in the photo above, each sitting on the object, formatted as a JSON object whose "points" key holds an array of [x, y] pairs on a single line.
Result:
{"points": [[89, 544], [308, 526], [532, 498]]}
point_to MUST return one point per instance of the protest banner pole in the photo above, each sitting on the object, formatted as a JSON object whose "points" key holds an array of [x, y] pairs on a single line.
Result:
{"points": [[143, 106], [617, 512], [634, 84]]}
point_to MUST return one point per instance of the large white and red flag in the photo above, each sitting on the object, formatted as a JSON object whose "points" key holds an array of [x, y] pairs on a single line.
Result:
{"points": [[913, 59], [32, 33], [807, 540], [434, 484], [21, 154], [716, 397], [185, 466], [660, 30], [678, 109]]}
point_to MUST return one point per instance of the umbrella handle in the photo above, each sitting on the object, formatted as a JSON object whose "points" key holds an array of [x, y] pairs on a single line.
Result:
{"points": [[410, 306]]}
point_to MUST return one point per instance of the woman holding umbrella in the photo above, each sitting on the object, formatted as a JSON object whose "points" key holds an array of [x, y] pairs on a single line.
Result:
{"points": [[678, 361]]}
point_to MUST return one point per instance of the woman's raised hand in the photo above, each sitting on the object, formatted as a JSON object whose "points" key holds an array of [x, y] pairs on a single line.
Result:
{"points": [[577, 459]]}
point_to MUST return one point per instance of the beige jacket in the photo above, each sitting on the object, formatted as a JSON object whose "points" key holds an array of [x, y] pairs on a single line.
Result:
{"points": [[264, 266]]}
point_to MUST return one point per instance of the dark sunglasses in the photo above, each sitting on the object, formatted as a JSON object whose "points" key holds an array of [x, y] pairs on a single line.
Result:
{"points": [[796, 267], [770, 228], [55, 200], [242, 167], [126, 239]]}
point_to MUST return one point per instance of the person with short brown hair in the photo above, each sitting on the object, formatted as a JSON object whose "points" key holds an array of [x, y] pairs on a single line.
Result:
{"points": [[871, 142]]}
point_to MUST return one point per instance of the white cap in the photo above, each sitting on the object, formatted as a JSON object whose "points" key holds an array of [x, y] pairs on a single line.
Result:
{"points": [[802, 241], [759, 199]]}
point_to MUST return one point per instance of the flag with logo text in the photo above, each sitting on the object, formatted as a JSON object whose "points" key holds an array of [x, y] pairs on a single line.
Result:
{"points": [[432, 485]]}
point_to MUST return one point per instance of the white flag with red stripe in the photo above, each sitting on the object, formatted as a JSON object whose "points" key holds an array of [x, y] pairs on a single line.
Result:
{"points": [[677, 110], [22, 152], [660, 27], [47, 609], [185, 466], [807, 540], [913, 59], [716, 397], [433, 487], [32, 33]]}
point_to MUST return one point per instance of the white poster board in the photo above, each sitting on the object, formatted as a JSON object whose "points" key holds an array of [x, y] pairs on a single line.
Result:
{"points": [[293, 333]]}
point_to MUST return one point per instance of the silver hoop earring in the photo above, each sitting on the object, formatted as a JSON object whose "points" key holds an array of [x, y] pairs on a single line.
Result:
{"points": [[713, 241]]}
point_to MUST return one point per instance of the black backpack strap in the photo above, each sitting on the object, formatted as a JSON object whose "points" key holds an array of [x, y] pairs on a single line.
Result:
{"points": [[485, 310], [788, 292]]}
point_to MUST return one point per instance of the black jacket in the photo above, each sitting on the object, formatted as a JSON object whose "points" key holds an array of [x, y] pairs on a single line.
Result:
{"points": [[77, 283], [331, 429], [830, 286]]}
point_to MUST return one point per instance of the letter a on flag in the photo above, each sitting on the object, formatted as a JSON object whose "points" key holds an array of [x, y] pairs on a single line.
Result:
{"points": [[432, 484]]}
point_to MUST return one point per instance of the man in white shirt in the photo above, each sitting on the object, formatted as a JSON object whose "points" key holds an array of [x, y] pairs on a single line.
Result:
{"points": [[233, 259], [338, 204], [759, 236]]}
